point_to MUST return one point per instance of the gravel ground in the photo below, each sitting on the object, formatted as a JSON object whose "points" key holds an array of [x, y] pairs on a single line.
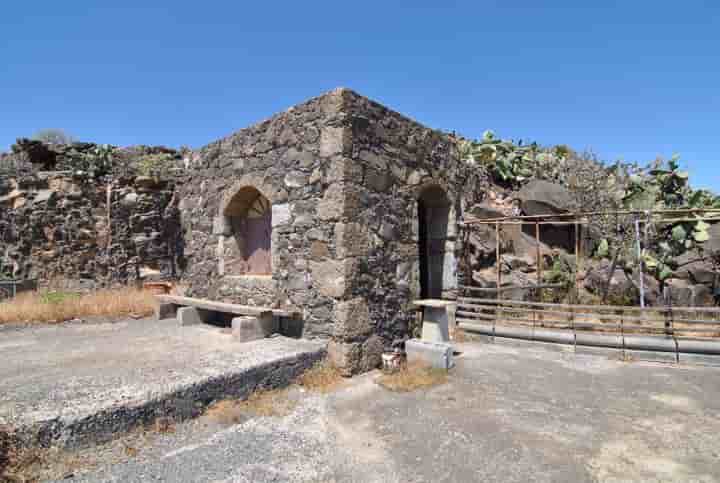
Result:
{"points": [[508, 413]]}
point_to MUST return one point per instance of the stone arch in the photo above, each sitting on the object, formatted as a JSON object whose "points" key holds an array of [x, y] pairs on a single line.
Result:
{"points": [[246, 215], [246, 181]]}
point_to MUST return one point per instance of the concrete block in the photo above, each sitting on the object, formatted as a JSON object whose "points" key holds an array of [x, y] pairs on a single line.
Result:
{"points": [[436, 354], [193, 316], [165, 311], [292, 327], [269, 323], [247, 328]]}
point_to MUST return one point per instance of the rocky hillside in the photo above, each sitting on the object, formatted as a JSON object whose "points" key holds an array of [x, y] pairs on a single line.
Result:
{"points": [[680, 253]]}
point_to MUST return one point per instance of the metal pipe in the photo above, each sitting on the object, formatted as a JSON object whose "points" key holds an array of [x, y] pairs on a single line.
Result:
{"points": [[631, 342]]}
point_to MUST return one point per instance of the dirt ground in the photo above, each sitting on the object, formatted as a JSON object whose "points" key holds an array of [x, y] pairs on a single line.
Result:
{"points": [[508, 412]]}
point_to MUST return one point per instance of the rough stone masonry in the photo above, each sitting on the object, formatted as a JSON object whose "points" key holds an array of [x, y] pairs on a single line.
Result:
{"points": [[362, 205], [62, 225]]}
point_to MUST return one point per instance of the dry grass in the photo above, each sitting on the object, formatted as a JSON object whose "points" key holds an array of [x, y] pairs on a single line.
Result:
{"points": [[260, 403], [62, 306], [41, 464], [33, 464], [413, 376], [323, 377]]}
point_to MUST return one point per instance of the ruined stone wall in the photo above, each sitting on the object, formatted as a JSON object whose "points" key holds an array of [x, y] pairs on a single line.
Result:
{"points": [[294, 160], [82, 232]]}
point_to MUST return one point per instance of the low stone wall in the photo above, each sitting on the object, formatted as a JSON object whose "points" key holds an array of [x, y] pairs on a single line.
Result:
{"points": [[85, 232]]}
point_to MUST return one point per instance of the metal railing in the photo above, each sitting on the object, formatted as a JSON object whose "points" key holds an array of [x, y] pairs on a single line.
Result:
{"points": [[662, 328]]}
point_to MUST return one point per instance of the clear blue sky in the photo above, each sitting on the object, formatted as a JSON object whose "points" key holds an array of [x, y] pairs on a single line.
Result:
{"points": [[631, 79]]}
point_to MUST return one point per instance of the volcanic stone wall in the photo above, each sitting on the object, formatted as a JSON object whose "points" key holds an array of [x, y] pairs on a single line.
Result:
{"points": [[82, 232], [294, 160], [391, 161]]}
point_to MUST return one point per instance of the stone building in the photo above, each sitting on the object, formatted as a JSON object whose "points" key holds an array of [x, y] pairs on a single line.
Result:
{"points": [[339, 207]]}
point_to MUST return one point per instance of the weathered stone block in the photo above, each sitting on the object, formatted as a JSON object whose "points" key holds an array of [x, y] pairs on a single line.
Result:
{"points": [[328, 277], [351, 239], [295, 179], [280, 214], [319, 250], [331, 206], [193, 316], [355, 357], [165, 311], [352, 319], [343, 169], [435, 354], [331, 141], [378, 180], [221, 226], [247, 328], [373, 160]]}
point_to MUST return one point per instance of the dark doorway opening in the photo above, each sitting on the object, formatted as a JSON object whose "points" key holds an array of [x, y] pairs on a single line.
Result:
{"points": [[433, 217]]}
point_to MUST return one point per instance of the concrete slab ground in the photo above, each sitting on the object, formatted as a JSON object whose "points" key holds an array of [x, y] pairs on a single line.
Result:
{"points": [[74, 384], [508, 413]]}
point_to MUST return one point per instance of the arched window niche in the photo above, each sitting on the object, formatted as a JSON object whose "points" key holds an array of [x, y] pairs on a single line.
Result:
{"points": [[247, 220]]}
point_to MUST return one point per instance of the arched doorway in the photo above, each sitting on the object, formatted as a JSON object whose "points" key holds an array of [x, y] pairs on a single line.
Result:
{"points": [[249, 217], [433, 218]]}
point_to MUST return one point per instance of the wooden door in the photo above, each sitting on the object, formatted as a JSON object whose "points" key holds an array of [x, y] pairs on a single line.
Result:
{"points": [[257, 236]]}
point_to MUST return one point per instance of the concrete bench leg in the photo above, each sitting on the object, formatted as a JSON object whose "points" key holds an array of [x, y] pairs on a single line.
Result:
{"points": [[291, 327], [193, 316], [165, 311], [249, 328]]}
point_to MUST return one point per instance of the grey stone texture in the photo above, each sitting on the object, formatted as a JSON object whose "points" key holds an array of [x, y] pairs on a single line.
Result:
{"points": [[343, 175], [89, 232]]}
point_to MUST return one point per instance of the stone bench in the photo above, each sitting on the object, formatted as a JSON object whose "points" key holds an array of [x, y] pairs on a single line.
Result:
{"points": [[248, 322]]}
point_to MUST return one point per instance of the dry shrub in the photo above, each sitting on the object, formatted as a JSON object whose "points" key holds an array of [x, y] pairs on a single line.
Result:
{"points": [[62, 306], [322, 377], [259, 403], [413, 376]]}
